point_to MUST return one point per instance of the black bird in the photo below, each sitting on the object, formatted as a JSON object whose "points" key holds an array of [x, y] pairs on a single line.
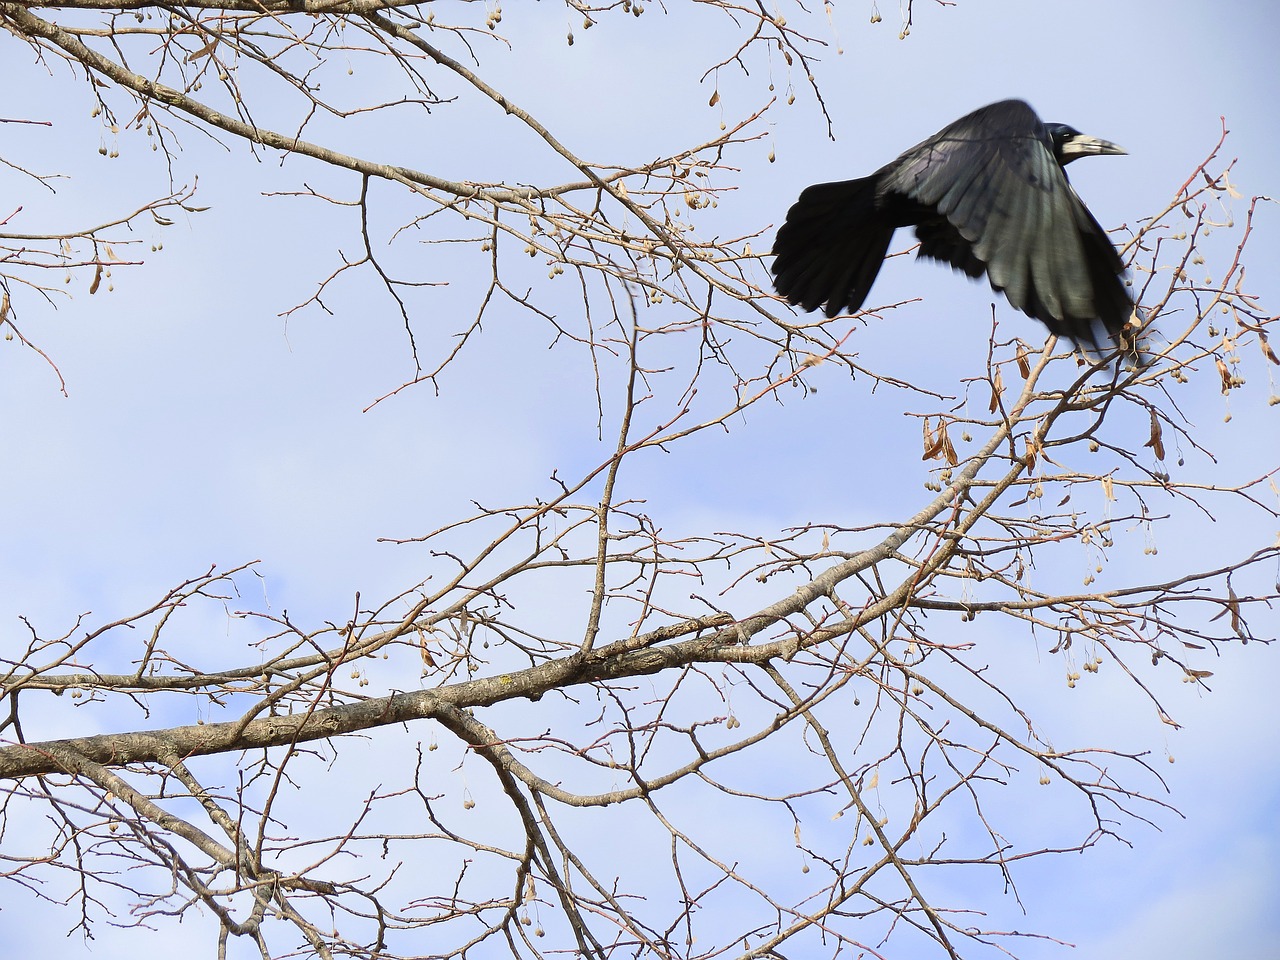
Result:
{"points": [[987, 194]]}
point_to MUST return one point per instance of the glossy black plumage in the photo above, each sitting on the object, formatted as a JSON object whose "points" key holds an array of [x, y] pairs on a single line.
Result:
{"points": [[987, 194]]}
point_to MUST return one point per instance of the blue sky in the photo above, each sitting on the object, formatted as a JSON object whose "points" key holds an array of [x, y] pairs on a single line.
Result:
{"points": [[203, 428]]}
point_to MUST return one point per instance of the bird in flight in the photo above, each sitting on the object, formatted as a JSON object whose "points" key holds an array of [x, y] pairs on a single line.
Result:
{"points": [[986, 194]]}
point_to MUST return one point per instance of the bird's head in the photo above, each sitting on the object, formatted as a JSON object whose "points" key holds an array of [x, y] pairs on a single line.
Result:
{"points": [[1070, 144]]}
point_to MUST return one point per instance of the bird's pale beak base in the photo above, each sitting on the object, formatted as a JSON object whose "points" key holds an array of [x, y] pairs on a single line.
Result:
{"points": [[1083, 146]]}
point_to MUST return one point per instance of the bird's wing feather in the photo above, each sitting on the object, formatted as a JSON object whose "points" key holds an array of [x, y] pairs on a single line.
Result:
{"points": [[831, 246], [993, 178]]}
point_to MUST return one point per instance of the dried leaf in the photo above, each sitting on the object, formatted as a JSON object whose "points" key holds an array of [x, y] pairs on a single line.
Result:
{"points": [[947, 449], [997, 388], [1224, 373], [1199, 674], [97, 279], [1266, 348], [427, 658], [932, 445], [715, 98], [1154, 442], [203, 51], [1024, 368], [1107, 489]]}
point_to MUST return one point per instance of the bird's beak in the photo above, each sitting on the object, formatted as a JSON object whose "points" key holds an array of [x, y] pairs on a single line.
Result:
{"points": [[1082, 146]]}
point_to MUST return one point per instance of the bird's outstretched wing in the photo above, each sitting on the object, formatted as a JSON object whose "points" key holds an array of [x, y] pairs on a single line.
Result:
{"points": [[996, 199]]}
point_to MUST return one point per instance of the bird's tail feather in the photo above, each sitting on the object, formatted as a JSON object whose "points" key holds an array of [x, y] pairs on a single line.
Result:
{"points": [[831, 246]]}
